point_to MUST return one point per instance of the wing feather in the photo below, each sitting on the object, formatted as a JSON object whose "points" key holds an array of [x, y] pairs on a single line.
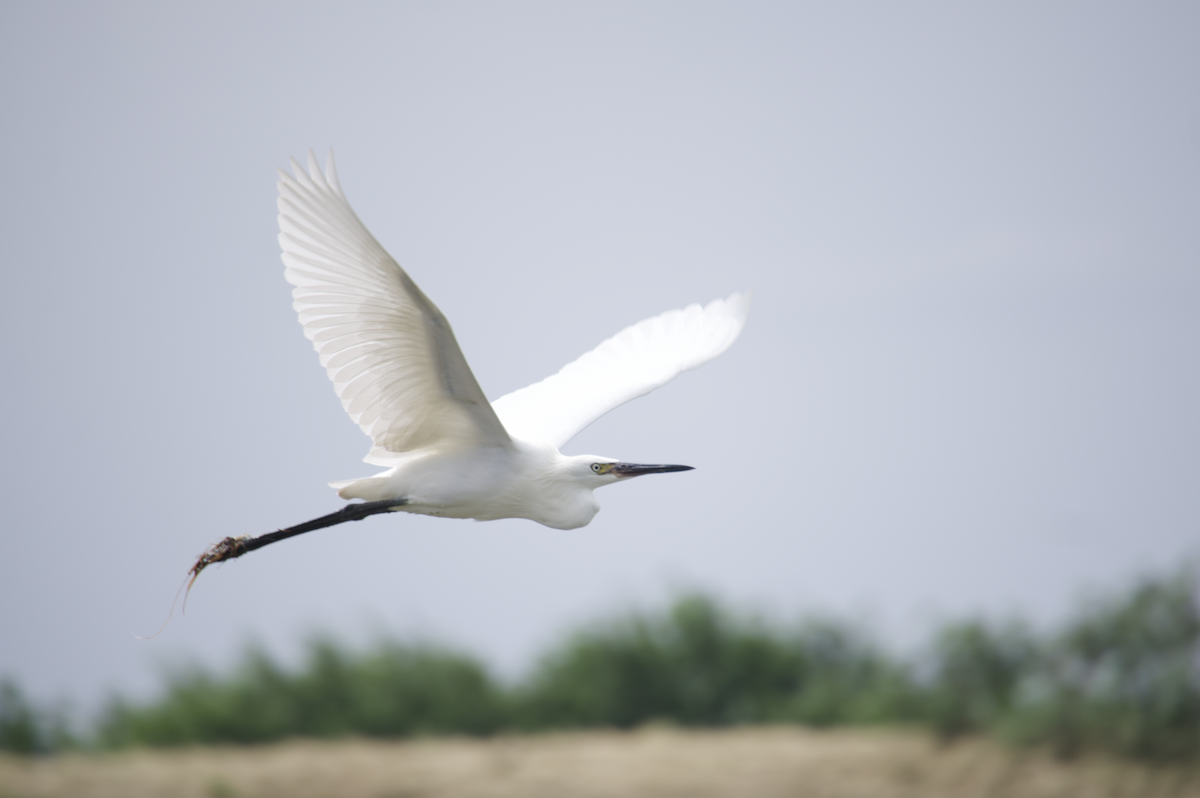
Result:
{"points": [[389, 351], [632, 363]]}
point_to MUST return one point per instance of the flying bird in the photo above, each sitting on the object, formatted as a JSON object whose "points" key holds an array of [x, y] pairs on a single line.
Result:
{"points": [[401, 376]]}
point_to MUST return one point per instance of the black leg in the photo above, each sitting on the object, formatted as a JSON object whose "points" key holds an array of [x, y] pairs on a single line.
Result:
{"points": [[231, 548]]}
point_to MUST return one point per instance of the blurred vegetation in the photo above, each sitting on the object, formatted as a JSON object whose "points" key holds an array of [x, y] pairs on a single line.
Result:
{"points": [[700, 665], [389, 691], [1122, 677], [26, 729]]}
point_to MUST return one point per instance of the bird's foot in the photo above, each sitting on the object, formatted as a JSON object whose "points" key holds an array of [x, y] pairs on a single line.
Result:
{"points": [[223, 550], [232, 548]]}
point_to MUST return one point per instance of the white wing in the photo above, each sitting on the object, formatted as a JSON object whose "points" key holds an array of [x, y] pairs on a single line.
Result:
{"points": [[632, 363], [390, 352]]}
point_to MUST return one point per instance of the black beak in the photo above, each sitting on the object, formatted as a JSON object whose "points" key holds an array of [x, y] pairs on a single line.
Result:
{"points": [[634, 470]]}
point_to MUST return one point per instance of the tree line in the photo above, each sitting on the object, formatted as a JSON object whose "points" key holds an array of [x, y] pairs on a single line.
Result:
{"points": [[1122, 677]]}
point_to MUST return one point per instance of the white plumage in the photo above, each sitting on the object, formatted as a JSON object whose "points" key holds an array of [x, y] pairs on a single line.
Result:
{"points": [[632, 363], [401, 376]]}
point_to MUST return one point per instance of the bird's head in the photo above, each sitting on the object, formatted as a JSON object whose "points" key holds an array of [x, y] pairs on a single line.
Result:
{"points": [[597, 471]]}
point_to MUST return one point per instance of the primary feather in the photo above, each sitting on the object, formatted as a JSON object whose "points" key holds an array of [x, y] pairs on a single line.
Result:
{"points": [[390, 352]]}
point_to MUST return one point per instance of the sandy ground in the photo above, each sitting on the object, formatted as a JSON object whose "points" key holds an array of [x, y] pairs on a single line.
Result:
{"points": [[655, 763]]}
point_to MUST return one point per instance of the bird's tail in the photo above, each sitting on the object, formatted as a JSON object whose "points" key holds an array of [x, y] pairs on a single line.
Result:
{"points": [[371, 489]]}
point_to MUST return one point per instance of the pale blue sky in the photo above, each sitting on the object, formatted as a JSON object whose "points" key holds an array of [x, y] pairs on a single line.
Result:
{"points": [[969, 382]]}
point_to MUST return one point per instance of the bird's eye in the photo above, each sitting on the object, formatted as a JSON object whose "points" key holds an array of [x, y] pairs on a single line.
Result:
{"points": [[596, 467]]}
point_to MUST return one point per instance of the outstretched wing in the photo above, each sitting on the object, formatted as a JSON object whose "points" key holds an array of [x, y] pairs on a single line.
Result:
{"points": [[632, 363], [390, 352]]}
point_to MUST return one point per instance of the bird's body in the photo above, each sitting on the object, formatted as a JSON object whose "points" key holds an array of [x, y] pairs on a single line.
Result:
{"points": [[401, 376], [522, 480]]}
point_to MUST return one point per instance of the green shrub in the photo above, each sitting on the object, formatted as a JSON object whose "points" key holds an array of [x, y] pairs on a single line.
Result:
{"points": [[27, 729], [975, 672], [389, 691], [19, 730], [694, 665], [698, 664], [1123, 677]]}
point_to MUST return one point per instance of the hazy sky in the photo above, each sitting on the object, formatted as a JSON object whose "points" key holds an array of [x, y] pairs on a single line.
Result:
{"points": [[969, 382]]}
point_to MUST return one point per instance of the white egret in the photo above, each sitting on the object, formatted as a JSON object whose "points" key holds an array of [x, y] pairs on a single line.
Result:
{"points": [[401, 376]]}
